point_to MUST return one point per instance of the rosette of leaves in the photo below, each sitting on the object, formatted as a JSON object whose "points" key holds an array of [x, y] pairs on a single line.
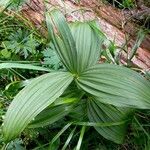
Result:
{"points": [[109, 92]]}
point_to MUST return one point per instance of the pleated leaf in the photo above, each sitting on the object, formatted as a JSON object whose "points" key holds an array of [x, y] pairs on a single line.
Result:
{"points": [[62, 39], [58, 109], [33, 99], [50, 115], [116, 85], [104, 113], [87, 45]]}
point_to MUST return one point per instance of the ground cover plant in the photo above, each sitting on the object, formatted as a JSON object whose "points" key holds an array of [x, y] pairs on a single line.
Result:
{"points": [[104, 96]]}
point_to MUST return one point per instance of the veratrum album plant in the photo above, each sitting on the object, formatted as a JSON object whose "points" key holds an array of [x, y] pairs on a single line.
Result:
{"points": [[90, 94]]}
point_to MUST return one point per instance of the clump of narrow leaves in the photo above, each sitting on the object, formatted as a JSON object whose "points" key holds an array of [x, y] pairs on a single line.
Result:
{"points": [[90, 94]]}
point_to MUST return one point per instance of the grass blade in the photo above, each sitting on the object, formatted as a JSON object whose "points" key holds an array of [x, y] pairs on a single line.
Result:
{"points": [[69, 139], [23, 66], [80, 138], [59, 134]]}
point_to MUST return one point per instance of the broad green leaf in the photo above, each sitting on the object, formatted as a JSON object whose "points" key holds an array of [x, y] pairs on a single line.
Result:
{"points": [[67, 103], [116, 85], [62, 40], [23, 66], [50, 115], [102, 113], [58, 109], [87, 44], [34, 98]]}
